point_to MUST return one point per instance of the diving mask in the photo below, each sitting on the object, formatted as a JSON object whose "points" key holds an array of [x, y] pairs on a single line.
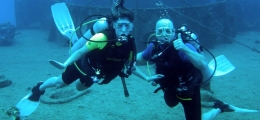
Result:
{"points": [[127, 26], [164, 31]]}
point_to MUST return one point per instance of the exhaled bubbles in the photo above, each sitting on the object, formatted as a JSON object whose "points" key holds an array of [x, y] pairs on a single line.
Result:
{"points": [[116, 2], [163, 11]]}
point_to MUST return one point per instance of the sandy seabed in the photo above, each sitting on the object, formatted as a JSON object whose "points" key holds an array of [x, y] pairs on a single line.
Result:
{"points": [[26, 63]]}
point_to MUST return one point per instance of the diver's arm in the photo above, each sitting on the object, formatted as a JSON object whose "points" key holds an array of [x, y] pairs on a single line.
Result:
{"points": [[89, 46], [146, 55], [195, 58], [99, 26], [142, 57], [139, 57], [76, 56], [137, 72], [141, 75], [198, 60]]}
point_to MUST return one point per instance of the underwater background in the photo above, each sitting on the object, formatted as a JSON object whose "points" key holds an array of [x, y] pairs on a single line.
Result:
{"points": [[29, 38]]}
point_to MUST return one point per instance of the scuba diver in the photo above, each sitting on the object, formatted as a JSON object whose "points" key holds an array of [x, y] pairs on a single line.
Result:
{"points": [[101, 59], [179, 69]]}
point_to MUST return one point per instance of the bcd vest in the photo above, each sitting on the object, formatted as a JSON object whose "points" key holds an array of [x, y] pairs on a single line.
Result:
{"points": [[176, 71], [108, 62]]}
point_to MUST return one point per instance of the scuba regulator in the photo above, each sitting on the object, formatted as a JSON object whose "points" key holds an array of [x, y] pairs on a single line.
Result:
{"points": [[186, 35], [122, 39]]}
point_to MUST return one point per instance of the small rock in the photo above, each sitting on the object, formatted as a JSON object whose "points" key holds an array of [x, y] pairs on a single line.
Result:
{"points": [[5, 83], [2, 76], [28, 88], [257, 41]]}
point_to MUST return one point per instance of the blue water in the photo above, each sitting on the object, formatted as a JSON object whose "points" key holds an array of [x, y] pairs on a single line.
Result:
{"points": [[141, 3], [7, 11]]}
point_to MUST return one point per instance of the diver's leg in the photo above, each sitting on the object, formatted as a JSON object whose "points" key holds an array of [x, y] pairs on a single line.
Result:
{"points": [[192, 105], [218, 107], [52, 82], [39, 88], [206, 75], [85, 81], [210, 115], [80, 43], [170, 97], [97, 27], [206, 86], [80, 86], [68, 76]]}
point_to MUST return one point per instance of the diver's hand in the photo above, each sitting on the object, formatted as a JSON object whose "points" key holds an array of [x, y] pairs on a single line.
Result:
{"points": [[57, 64], [178, 43], [154, 77]]}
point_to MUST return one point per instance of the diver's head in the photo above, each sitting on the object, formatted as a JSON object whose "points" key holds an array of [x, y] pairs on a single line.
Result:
{"points": [[122, 19], [122, 26], [164, 31]]}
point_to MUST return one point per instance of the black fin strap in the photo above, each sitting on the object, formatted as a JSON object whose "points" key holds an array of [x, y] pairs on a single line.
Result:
{"points": [[156, 90]]}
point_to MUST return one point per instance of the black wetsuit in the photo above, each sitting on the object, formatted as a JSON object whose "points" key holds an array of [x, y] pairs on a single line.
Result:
{"points": [[180, 81], [109, 61]]}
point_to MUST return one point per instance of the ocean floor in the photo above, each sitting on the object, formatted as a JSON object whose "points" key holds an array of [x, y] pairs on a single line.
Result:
{"points": [[26, 63]]}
